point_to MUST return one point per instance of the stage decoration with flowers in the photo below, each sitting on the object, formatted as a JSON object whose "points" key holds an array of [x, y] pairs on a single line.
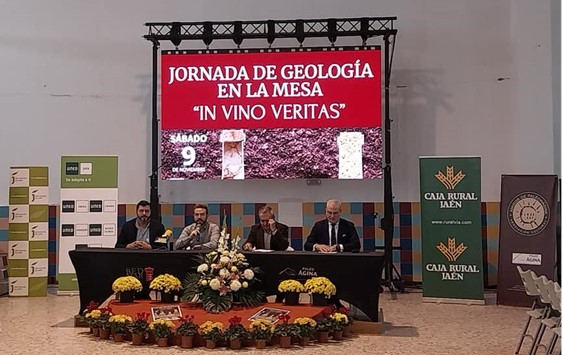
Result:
{"points": [[166, 283], [261, 329], [306, 326], [235, 330], [126, 283], [140, 325], [187, 327], [223, 277], [119, 323], [290, 286], [320, 285], [339, 320], [161, 328], [211, 330]]}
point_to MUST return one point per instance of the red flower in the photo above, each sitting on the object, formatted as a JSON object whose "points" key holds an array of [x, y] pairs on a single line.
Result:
{"points": [[235, 320], [284, 318], [344, 310], [143, 316], [92, 306]]}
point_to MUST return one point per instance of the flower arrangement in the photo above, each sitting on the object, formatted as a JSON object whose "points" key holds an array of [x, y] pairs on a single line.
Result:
{"points": [[306, 326], [140, 325], [325, 325], [346, 311], [223, 277], [103, 320], [161, 328], [92, 317], [284, 329], [119, 323], [320, 285], [290, 286], [261, 329], [165, 283], [126, 283], [187, 327], [339, 320], [235, 330], [211, 330]]}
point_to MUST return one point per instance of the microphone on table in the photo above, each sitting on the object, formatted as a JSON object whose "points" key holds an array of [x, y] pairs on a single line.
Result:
{"points": [[162, 241], [188, 243]]}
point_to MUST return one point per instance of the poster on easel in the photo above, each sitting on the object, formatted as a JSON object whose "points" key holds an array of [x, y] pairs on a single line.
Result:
{"points": [[89, 195], [28, 231]]}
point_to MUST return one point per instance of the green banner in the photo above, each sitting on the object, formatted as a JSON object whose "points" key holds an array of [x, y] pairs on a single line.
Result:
{"points": [[452, 254], [88, 172]]}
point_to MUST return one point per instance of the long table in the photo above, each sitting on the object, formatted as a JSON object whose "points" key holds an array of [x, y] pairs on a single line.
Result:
{"points": [[355, 275]]}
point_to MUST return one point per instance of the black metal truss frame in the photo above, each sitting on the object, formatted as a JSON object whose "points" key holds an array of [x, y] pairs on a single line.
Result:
{"points": [[238, 31], [364, 27]]}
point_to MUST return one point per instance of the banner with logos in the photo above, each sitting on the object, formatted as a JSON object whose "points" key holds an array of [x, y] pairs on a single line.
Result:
{"points": [[28, 231], [88, 215], [452, 254], [528, 221]]}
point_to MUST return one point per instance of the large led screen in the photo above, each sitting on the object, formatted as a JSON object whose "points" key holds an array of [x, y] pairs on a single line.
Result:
{"points": [[272, 114]]}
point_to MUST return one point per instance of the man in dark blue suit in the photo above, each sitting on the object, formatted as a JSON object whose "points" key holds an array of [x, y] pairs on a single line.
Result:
{"points": [[333, 234]]}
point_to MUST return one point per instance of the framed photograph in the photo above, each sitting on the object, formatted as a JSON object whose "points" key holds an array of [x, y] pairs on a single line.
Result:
{"points": [[268, 313], [166, 312]]}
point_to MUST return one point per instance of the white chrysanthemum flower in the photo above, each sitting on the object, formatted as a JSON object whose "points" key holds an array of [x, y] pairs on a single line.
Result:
{"points": [[248, 274], [202, 268], [244, 284], [235, 285], [225, 259], [234, 269], [214, 284], [225, 252], [223, 272], [240, 256], [204, 282]]}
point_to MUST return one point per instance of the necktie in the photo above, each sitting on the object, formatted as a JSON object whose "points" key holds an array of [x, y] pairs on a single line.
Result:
{"points": [[333, 234]]}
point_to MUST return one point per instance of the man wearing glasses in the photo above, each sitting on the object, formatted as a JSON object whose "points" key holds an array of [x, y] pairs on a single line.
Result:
{"points": [[333, 234]]}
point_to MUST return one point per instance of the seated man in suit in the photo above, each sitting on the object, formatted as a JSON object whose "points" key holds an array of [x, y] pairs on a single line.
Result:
{"points": [[140, 232], [268, 234], [333, 234], [201, 234]]}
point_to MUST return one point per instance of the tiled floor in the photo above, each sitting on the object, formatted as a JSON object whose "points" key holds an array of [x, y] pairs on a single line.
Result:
{"points": [[44, 326]]}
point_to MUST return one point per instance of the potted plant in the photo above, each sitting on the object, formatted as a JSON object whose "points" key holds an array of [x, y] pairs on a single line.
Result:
{"points": [[235, 333], [212, 332], [291, 290], [320, 288], [168, 285], [223, 278], [125, 287], [162, 330], [139, 327], [346, 332], [89, 308], [339, 321], [118, 324], [261, 331], [187, 330], [323, 327], [285, 330], [92, 319], [306, 329], [103, 322]]}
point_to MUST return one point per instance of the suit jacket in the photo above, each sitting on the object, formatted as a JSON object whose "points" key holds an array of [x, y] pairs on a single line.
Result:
{"points": [[278, 241], [347, 235], [208, 237], [128, 233]]}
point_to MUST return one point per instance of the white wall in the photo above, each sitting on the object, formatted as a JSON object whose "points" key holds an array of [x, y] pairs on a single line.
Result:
{"points": [[76, 78]]}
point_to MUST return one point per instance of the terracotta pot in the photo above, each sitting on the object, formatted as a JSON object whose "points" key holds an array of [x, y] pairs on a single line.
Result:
{"points": [[105, 333], [319, 299], [187, 342], [96, 331], [285, 341], [304, 341], [322, 337], [91, 330], [347, 331], [260, 344], [337, 335], [235, 344], [126, 296], [210, 344], [291, 298], [162, 342], [137, 339], [119, 337]]}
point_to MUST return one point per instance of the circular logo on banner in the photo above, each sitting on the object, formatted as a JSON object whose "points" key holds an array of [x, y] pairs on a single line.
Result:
{"points": [[528, 213]]}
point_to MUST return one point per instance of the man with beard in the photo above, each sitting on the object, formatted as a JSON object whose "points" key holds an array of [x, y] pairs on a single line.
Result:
{"points": [[201, 234], [141, 232]]}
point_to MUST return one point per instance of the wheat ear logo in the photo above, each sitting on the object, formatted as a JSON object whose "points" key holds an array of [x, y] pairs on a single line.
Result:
{"points": [[450, 180], [451, 252]]}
